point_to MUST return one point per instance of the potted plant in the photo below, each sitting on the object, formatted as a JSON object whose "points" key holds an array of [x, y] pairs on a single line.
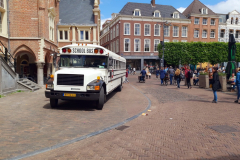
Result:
{"points": [[204, 80], [223, 81]]}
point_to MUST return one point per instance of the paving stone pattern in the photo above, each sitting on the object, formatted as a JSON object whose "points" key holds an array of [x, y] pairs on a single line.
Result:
{"points": [[172, 130], [27, 123]]}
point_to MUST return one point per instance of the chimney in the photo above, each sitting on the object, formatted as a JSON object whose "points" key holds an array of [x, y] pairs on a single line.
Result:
{"points": [[153, 3]]}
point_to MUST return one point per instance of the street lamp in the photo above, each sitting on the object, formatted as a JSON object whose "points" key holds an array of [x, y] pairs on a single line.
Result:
{"points": [[166, 23]]}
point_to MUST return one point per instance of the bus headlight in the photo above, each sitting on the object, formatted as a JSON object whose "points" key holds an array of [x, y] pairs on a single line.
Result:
{"points": [[90, 87], [93, 88], [49, 86]]}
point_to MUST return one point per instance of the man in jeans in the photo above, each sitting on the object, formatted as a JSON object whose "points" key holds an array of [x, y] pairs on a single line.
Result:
{"points": [[171, 72]]}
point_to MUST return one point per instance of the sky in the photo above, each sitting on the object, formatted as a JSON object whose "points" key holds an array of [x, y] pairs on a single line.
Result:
{"points": [[108, 7]]}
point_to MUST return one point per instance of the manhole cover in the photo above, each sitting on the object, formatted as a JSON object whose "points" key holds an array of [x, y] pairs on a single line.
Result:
{"points": [[223, 129], [121, 128]]}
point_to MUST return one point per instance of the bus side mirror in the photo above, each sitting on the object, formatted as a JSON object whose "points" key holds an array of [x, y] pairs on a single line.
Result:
{"points": [[110, 61]]}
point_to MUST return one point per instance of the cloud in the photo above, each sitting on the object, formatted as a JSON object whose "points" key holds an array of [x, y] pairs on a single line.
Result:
{"points": [[225, 6], [103, 21], [181, 9]]}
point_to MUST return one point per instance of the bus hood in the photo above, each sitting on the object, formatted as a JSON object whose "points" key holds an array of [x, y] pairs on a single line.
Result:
{"points": [[90, 74]]}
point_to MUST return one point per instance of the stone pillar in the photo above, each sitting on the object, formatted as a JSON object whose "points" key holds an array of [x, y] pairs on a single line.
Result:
{"points": [[142, 61], [40, 67], [73, 35], [94, 35]]}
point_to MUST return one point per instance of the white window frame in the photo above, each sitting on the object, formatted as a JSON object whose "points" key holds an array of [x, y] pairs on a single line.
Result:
{"points": [[155, 44], [211, 33], [223, 33], [206, 11], [177, 31], [145, 29], [117, 46], [166, 40], [183, 40], [214, 21], [194, 33], [195, 20], [114, 32], [175, 14], [129, 49], [175, 40], [139, 29], [138, 10], [206, 21], [139, 45], [111, 36], [203, 32], [125, 28], [117, 30], [84, 35], [186, 31], [159, 30], [63, 31], [149, 45], [51, 26], [157, 11], [168, 29]]}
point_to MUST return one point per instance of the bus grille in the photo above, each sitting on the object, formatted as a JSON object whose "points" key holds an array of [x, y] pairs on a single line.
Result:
{"points": [[70, 79]]}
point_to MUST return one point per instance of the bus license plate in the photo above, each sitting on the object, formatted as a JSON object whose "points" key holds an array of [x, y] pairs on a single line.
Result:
{"points": [[69, 95]]}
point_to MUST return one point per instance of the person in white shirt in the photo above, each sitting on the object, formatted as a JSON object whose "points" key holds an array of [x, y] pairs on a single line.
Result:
{"points": [[134, 70]]}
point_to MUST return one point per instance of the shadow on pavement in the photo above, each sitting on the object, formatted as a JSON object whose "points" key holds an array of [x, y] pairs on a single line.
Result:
{"points": [[78, 105], [233, 157]]}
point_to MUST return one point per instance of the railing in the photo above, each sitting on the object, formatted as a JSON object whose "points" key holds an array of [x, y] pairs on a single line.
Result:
{"points": [[12, 62]]}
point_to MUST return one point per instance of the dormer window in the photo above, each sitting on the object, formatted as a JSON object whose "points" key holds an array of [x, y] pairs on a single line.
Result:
{"points": [[137, 12], [204, 11], [175, 15], [157, 14]]}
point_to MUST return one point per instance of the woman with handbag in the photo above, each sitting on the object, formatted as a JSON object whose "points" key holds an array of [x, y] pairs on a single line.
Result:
{"points": [[215, 84]]}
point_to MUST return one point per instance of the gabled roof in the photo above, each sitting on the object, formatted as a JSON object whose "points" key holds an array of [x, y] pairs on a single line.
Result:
{"points": [[195, 8], [76, 12], [148, 10]]}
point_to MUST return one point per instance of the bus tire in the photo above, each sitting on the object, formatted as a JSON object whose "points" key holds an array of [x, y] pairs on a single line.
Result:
{"points": [[100, 101], [119, 88], [53, 103]]}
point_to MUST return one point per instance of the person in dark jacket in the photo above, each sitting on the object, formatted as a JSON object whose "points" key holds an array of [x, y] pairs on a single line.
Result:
{"points": [[215, 84], [162, 75], [143, 73], [238, 84]]}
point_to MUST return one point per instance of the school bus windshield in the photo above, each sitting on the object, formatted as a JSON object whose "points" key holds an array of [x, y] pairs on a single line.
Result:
{"points": [[81, 61]]}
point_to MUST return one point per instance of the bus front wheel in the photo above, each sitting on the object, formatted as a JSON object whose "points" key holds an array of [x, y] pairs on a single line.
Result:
{"points": [[100, 101], [53, 103]]}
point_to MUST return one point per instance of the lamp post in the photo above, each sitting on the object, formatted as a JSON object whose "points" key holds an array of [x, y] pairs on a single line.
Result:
{"points": [[167, 24]]}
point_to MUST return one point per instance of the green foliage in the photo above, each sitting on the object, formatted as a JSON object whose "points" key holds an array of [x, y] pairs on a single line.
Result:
{"points": [[196, 52], [221, 74], [203, 73], [19, 91]]}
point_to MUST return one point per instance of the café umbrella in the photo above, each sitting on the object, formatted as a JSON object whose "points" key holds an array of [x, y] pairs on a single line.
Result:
{"points": [[231, 66]]}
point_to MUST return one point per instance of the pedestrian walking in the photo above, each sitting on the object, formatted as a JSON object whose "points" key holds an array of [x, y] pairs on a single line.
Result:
{"points": [[238, 84], [178, 78], [157, 72], [143, 73], [188, 75], [126, 80], [147, 71], [162, 75], [171, 73], [215, 84], [134, 70]]}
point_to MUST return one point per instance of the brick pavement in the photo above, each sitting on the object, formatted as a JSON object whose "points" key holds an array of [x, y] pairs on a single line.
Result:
{"points": [[176, 128], [27, 123]]}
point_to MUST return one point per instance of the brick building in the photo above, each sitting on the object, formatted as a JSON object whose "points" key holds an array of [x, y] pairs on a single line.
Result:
{"points": [[204, 23], [136, 31], [29, 33], [79, 22]]}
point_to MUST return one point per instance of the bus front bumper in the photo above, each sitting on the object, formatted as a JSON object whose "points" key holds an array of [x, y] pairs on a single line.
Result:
{"points": [[74, 95]]}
